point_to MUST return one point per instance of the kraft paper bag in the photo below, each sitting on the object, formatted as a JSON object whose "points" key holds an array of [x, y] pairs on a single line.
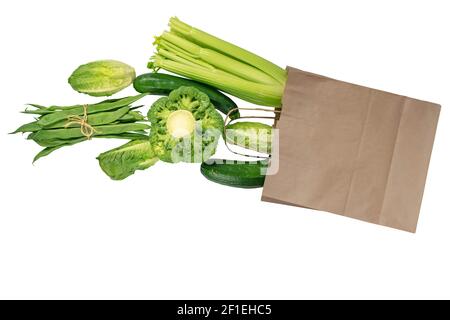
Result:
{"points": [[352, 150]]}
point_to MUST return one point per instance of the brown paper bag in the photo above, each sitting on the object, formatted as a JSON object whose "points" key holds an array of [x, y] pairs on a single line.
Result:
{"points": [[352, 150]]}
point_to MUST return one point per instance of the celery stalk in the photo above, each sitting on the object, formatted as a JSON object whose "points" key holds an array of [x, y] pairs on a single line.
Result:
{"points": [[183, 59], [262, 94], [210, 41], [195, 54], [218, 59]]}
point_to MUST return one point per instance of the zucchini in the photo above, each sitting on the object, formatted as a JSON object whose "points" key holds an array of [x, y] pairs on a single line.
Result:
{"points": [[163, 84], [240, 174]]}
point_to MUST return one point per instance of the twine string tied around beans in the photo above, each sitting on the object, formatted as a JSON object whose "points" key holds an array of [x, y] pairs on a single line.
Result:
{"points": [[86, 129]]}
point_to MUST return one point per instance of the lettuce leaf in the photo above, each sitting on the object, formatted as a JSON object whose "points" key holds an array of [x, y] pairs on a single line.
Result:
{"points": [[121, 162]]}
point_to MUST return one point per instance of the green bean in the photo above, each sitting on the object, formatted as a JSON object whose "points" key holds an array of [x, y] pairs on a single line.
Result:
{"points": [[126, 135], [71, 133], [53, 117], [136, 107], [46, 110], [40, 112], [103, 118], [132, 116], [60, 108], [95, 119], [54, 108], [140, 132], [28, 127], [37, 106], [54, 142], [46, 151]]}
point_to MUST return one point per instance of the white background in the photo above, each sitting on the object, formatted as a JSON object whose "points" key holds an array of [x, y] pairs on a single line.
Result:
{"points": [[67, 231]]}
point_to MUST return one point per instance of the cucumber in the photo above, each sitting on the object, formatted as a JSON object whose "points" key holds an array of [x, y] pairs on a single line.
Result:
{"points": [[163, 84], [240, 174]]}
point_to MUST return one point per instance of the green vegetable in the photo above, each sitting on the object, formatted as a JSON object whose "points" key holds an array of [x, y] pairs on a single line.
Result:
{"points": [[77, 110], [94, 119], [122, 115], [123, 161], [198, 55], [184, 126], [131, 116], [46, 151], [42, 137], [233, 173], [163, 84], [102, 78], [60, 126], [251, 135]]}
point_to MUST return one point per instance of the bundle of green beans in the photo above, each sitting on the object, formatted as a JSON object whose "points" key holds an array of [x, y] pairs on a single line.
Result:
{"points": [[55, 126]]}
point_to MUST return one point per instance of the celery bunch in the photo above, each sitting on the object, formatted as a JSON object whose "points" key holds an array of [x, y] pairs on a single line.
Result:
{"points": [[195, 54]]}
